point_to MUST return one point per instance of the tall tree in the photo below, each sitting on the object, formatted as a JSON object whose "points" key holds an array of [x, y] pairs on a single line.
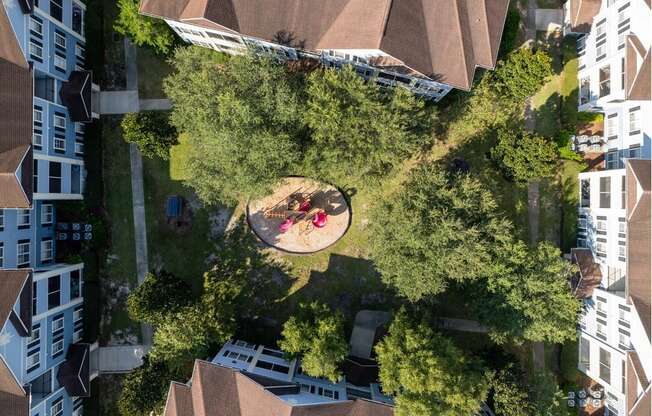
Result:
{"points": [[521, 74], [243, 119], [143, 30], [528, 297], [438, 228], [151, 131], [145, 388], [427, 374], [359, 129], [317, 336], [524, 156], [510, 398], [159, 295]]}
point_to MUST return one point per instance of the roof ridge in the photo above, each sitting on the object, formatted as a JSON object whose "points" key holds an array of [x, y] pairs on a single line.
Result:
{"points": [[383, 27]]}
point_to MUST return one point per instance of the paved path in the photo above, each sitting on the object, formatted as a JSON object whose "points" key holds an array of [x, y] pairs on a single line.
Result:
{"points": [[364, 331], [119, 102], [155, 104], [464, 325], [137, 188], [538, 352], [121, 359], [549, 20]]}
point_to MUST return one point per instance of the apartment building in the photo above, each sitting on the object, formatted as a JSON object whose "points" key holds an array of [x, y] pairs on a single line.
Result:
{"points": [[615, 344], [426, 46], [46, 96], [614, 49]]}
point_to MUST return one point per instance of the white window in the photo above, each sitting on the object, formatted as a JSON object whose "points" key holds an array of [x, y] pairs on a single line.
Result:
{"points": [[37, 139], [622, 227], [79, 148], [622, 251], [622, 16], [59, 122], [60, 143], [33, 359], [80, 128], [2, 218], [621, 38], [601, 248], [79, 50], [77, 335], [35, 26], [601, 329], [35, 50], [601, 29], [57, 408], [22, 254], [59, 40], [612, 126], [59, 62], [602, 307], [57, 324], [79, 67], [623, 340], [38, 116], [634, 121], [36, 335], [602, 225], [47, 214], [601, 50], [622, 315], [47, 250], [77, 315], [24, 217]]}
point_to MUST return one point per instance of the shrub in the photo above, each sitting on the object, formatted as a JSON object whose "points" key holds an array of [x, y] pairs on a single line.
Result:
{"points": [[143, 30], [151, 132], [524, 156]]}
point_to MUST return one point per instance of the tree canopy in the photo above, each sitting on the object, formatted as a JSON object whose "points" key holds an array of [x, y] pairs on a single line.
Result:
{"points": [[159, 295], [251, 121], [145, 388], [317, 336], [143, 30], [243, 119], [521, 74], [358, 129], [439, 228], [528, 297], [151, 131], [524, 156], [427, 374]]}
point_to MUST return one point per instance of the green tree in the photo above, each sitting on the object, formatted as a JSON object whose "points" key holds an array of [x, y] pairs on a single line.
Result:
{"points": [[510, 396], [439, 228], [546, 397], [159, 295], [524, 156], [144, 389], [143, 30], [183, 337], [521, 74], [316, 335], [151, 131], [528, 297], [359, 129], [427, 374], [243, 119]]}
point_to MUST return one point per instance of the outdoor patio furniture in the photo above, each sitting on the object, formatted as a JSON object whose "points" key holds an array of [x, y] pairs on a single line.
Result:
{"points": [[596, 394], [583, 403], [571, 403], [571, 395], [581, 394], [596, 402]]}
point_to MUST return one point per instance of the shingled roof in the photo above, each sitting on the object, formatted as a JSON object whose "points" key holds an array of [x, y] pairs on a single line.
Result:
{"points": [[14, 401], [220, 391], [638, 70], [639, 244], [582, 13], [15, 120], [444, 40]]}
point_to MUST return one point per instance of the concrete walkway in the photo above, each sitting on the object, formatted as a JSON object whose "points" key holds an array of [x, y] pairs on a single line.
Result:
{"points": [[160, 104], [464, 325], [121, 359], [137, 188], [364, 331]]}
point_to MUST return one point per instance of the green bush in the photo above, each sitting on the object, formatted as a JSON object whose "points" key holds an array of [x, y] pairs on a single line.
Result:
{"points": [[144, 390], [564, 145], [524, 156], [151, 132], [143, 30]]}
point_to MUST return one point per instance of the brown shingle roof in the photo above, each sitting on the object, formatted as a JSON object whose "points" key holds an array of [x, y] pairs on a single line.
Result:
{"points": [[589, 275], [13, 399], [11, 286], [15, 120], [638, 70], [442, 39], [639, 236], [582, 13], [214, 390]]}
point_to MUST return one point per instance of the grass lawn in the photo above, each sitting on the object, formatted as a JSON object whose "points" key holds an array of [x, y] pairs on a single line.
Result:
{"points": [[121, 262], [182, 253], [152, 69]]}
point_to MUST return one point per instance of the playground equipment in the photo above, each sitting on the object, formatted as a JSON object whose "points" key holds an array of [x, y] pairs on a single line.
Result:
{"points": [[298, 209]]}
